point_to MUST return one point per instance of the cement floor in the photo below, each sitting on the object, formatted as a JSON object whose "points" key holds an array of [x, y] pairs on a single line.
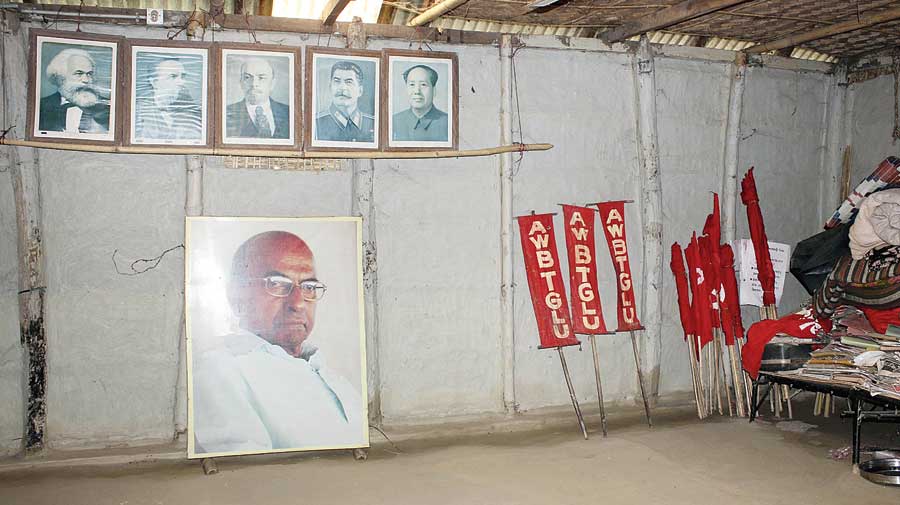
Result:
{"points": [[679, 461]]}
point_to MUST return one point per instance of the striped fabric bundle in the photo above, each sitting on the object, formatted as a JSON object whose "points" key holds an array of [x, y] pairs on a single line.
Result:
{"points": [[858, 283], [886, 175]]}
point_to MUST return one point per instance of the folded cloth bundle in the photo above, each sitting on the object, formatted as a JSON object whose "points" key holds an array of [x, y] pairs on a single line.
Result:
{"points": [[877, 224], [885, 175]]}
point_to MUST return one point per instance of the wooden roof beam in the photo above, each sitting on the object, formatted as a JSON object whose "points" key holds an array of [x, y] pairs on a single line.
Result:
{"points": [[332, 10], [435, 11], [865, 20], [669, 16]]}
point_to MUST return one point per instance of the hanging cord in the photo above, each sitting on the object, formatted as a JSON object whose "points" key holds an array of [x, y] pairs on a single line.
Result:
{"points": [[515, 85], [895, 60], [78, 19]]}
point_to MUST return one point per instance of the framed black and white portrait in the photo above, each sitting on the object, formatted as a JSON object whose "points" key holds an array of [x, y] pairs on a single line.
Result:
{"points": [[73, 92], [260, 96], [275, 335], [421, 102], [168, 99], [343, 107]]}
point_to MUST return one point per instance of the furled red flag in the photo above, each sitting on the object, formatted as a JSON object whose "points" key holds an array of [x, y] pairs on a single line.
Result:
{"points": [[699, 295], [711, 274], [545, 282], [681, 287], [731, 290], [587, 313], [612, 219], [758, 235]]}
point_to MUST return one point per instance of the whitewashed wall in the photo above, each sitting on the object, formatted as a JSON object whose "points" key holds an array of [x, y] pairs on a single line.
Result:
{"points": [[113, 339], [871, 124]]}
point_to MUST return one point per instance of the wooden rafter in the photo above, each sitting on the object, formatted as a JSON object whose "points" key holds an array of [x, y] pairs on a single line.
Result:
{"points": [[435, 11], [856, 23], [675, 14], [332, 10]]}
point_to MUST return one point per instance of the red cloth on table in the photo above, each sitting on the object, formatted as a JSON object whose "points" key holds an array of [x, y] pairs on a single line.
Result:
{"points": [[799, 324], [881, 318]]}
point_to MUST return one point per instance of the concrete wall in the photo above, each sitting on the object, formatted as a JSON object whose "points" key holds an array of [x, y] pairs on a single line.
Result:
{"points": [[114, 339], [871, 123]]}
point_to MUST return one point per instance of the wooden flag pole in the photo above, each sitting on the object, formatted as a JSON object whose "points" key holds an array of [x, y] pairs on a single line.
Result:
{"points": [[562, 360], [744, 383], [637, 364], [599, 385], [720, 342], [693, 362]]}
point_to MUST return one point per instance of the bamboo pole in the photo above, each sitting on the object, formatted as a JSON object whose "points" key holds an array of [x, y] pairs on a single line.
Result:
{"points": [[272, 153], [640, 376], [854, 23], [596, 355], [690, 349], [562, 361]]}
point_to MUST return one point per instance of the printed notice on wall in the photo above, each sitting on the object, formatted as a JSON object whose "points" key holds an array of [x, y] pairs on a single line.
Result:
{"points": [[750, 289]]}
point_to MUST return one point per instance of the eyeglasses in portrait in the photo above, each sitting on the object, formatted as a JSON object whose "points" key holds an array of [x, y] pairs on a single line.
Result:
{"points": [[73, 87], [260, 95], [168, 98], [275, 335], [421, 103], [343, 87]]}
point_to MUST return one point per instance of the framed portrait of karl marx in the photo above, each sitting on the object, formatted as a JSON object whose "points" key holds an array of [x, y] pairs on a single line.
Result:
{"points": [[275, 335], [343, 109], [73, 89], [259, 89], [167, 88], [421, 101]]}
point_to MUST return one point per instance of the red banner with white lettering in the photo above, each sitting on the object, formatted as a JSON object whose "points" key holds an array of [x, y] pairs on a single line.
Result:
{"points": [[612, 219], [545, 282], [587, 313]]}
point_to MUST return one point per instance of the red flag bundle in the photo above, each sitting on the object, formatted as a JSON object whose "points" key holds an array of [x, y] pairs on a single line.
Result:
{"points": [[587, 312], [612, 218], [750, 198], [687, 323], [700, 296], [548, 294]]}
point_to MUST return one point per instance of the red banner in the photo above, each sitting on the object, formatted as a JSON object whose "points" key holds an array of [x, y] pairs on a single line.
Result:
{"points": [[545, 282], [587, 313], [612, 218]]}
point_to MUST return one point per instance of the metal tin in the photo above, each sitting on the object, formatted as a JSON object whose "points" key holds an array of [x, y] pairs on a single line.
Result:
{"points": [[881, 471]]}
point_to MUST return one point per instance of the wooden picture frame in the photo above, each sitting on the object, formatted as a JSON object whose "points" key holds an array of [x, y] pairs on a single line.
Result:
{"points": [[326, 128], [420, 113], [274, 80], [168, 98], [67, 69], [276, 341]]}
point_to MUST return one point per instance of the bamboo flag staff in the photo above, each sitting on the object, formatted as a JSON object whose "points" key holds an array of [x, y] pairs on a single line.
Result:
{"points": [[612, 219], [548, 292], [729, 284], [587, 312]]}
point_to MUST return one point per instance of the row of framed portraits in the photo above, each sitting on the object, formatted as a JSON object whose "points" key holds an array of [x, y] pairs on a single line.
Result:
{"points": [[100, 89]]}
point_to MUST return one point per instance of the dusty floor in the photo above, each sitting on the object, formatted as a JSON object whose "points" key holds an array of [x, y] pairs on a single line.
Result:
{"points": [[679, 461]]}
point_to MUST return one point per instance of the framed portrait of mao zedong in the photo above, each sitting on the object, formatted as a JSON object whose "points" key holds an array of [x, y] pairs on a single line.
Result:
{"points": [[421, 101], [259, 89], [73, 87], [275, 335], [343, 110], [167, 87]]}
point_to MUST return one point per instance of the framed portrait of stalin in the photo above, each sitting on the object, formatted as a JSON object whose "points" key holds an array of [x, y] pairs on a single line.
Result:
{"points": [[168, 100], [73, 90], [275, 335], [259, 92], [421, 103], [343, 110]]}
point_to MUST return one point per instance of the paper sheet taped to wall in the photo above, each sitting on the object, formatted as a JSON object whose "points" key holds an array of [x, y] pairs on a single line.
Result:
{"points": [[750, 289]]}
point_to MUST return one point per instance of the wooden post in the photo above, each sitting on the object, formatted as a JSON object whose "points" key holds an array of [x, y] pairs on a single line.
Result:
{"points": [[507, 234], [831, 185], [738, 72], [651, 216], [363, 205]]}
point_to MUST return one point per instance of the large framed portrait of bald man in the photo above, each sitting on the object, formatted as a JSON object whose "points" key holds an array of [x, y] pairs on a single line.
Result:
{"points": [[167, 93], [343, 110], [275, 335], [421, 100], [259, 89], [73, 90]]}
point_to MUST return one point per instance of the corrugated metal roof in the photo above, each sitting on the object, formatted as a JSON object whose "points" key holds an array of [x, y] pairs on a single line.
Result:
{"points": [[486, 25]]}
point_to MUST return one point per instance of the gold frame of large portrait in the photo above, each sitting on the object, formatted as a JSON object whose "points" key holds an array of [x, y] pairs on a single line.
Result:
{"points": [[34, 83], [388, 94], [238, 332], [130, 96], [296, 93], [309, 114]]}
